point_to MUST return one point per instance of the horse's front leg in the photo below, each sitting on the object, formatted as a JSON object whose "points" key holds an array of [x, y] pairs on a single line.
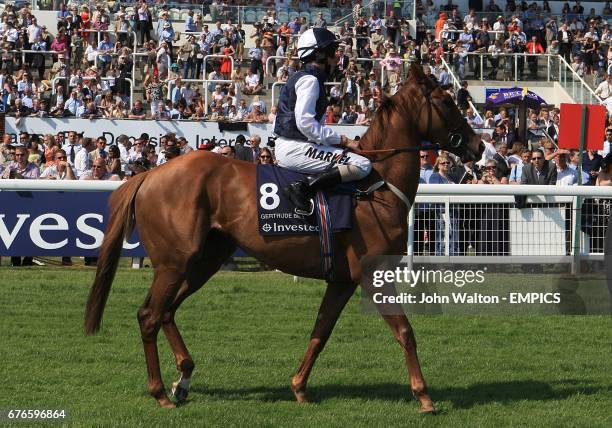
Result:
{"points": [[334, 300], [394, 316], [402, 330]]}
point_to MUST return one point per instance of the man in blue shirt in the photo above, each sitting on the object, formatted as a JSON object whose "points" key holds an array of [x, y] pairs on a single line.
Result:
{"points": [[71, 106], [104, 49], [190, 25], [426, 168]]}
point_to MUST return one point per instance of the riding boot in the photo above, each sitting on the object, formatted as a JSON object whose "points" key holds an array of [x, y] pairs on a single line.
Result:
{"points": [[301, 192]]}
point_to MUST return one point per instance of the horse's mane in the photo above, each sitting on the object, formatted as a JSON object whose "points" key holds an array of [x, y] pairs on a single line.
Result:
{"points": [[389, 105]]}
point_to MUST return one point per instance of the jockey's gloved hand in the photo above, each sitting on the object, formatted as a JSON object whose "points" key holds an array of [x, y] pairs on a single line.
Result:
{"points": [[351, 144]]}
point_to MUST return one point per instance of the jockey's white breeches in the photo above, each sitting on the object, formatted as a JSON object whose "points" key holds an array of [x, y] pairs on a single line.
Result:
{"points": [[310, 158]]}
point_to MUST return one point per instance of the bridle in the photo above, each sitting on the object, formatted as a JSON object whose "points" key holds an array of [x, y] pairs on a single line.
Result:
{"points": [[455, 138], [454, 135]]}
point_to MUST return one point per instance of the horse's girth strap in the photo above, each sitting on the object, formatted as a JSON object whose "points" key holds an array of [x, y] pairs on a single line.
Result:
{"points": [[397, 192]]}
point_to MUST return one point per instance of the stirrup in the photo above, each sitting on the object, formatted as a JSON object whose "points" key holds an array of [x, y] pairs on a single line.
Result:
{"points": [[306, 213]]}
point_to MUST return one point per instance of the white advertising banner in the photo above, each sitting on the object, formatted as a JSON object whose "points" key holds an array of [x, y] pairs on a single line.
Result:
{"points": [[197, 133]]}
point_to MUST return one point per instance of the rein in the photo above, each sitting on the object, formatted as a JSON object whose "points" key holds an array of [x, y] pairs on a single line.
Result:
{"points": [[394, 152]]}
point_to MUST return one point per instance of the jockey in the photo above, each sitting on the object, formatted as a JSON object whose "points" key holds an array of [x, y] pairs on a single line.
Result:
{"points": [[304, 143]]}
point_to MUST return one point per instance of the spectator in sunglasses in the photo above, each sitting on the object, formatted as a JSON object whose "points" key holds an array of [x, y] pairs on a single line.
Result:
{"points": [[426, 168], [20, 167], [60, 170], [488, 175], [441, 171], [539, 171], [100, 172], [265, 157]]}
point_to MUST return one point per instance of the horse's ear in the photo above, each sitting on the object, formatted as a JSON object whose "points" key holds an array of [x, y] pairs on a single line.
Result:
{"points": [[416, 72]]}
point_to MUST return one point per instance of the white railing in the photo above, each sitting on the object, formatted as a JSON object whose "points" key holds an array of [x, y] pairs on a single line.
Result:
{"points": [[457, 86], [475, 223], [277, 84], [483, 224], [207, 57], [583, 87], [127, 79]]}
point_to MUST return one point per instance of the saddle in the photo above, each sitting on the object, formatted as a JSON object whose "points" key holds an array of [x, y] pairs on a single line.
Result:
{"points": [[332, 210]]}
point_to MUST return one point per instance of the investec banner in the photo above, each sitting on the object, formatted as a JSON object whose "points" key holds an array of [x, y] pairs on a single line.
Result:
{"points": [[197, 133], [52, 223]]}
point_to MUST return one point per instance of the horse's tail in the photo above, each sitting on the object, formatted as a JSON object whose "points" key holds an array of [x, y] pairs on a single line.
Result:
{"points": [[120, 226]]}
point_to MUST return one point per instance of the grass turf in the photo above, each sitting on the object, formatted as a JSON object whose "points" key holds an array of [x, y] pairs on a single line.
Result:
{"points": [[247, 333]]}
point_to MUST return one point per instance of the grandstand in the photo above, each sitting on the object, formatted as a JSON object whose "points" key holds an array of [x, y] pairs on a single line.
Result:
{"points": [[217, 60]]}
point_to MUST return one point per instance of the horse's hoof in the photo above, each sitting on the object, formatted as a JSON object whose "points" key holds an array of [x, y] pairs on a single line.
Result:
{"points": [[179, 394], [300, 395], [429, 410], [166, 403], [301, 398]]}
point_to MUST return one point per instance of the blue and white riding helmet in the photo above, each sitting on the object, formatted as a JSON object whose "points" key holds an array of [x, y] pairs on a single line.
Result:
{"points": [[313, 40]]}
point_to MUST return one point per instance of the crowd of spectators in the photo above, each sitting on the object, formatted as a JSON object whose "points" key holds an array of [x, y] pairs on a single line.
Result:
{"points": [[73, 156], [89, 72]]}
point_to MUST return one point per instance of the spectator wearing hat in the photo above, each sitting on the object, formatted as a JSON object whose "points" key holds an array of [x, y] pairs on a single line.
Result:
{"points": [[377, 39], [167, 35], [122, 27]]}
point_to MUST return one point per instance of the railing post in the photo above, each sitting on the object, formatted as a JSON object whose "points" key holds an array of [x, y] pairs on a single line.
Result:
{"points": [[410, 247], [447, 221], [481, 67], [515, 67], [576, 219]]}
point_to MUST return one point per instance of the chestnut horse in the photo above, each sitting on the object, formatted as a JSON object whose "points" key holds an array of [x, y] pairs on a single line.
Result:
{"points": [[193, 212]]}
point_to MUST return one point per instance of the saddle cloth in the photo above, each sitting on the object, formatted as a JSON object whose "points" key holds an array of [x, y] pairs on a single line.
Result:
{"points": [[277, 215]]}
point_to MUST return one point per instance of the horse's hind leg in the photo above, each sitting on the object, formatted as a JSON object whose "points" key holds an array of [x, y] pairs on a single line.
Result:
{"points": [[217, 249], [334, 300], [163, 291]]}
